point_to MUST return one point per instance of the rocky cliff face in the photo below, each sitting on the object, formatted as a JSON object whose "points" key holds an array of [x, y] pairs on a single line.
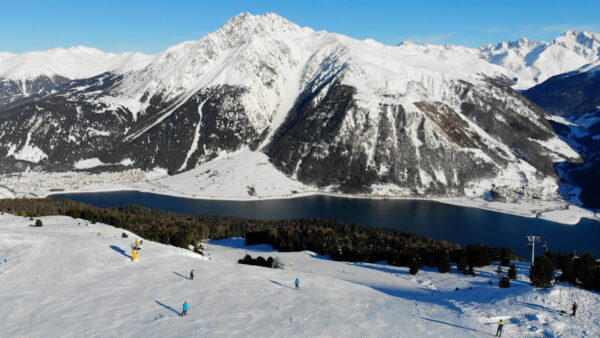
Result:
{"points": [[15, 92]]}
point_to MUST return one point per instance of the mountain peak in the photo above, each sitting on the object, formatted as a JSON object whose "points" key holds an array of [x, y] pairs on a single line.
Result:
{"points": [[258, 25], [586, 44], [574, 33], [581, 37], [85, 49]]}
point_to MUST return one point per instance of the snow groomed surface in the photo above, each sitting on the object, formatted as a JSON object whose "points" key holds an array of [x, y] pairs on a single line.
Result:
{"points": [[73, 278]]}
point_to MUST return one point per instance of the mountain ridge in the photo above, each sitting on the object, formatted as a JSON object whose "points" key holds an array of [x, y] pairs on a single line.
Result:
{"points": [[527, 61], [381, 114], [534, 62], [574, 97]]}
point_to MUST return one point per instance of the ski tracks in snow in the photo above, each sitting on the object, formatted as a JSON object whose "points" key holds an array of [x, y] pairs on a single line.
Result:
{"points": [[194, 144]]}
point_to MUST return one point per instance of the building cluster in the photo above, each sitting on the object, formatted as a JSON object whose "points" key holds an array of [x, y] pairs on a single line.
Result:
{"points": [[41, 184]]}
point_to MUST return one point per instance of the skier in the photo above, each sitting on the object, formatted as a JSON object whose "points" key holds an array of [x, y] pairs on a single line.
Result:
{"points": [[136, 245], [192, 274], [297, 283], [500, 326], [185, 308], [574, 309]]}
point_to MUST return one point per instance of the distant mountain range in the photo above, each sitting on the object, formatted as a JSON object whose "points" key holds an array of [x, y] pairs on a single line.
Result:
{"points": [[330, 111], [36, 74], [576, 97], [534, 62]]}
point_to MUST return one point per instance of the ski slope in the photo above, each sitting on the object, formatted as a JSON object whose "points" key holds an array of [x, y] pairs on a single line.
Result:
{"points": [[70, 279]]}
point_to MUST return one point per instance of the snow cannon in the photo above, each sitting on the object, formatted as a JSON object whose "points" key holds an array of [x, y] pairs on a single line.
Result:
{"points": [[134, 255]]}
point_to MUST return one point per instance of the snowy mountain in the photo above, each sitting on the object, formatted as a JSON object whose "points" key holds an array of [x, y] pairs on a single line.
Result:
{"points": [[71, 277], [534, 62], [37, 74], [572, 95], [330, 111], [575, 98]]}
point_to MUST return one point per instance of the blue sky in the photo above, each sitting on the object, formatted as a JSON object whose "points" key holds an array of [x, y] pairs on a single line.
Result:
{"points": [[151, 26]]}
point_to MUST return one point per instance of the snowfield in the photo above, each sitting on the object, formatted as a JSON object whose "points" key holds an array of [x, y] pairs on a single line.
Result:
{"points": [[73, 63], [70, 278]]}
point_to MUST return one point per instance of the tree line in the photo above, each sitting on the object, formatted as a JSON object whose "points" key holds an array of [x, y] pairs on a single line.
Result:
{"points": [[578, 270], [341, 241]]}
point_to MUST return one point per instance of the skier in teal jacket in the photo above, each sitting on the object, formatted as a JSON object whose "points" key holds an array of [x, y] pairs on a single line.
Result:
{"points": [[297, 283], [185, 308]]}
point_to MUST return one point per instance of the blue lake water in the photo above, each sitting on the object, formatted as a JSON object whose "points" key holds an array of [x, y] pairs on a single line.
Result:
{"points": [[436, 220]]}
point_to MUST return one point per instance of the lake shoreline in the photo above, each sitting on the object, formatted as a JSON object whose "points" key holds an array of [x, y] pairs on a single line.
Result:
{"points": [[233, 186], [452, 221], [553, 211]]}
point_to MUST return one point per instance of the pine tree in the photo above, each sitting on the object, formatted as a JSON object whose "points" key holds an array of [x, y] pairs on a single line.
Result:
{"points": [[584, 269], [505, 255], [564, 263], [472, 271], [504, 282], [444, 263], [512, 271], [479, 255], [462, 265], [413, 266], [597, 279], [542, 272]]}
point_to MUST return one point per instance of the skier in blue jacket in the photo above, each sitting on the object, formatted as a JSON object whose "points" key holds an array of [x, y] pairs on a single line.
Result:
{"points": [[297, 282], [185, 308]]}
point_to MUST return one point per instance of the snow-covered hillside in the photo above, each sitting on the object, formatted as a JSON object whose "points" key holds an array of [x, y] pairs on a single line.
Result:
{"points": [[72, 278], [72, 63], [329, 111], [32, 75], [574, 98], [534, 62]]}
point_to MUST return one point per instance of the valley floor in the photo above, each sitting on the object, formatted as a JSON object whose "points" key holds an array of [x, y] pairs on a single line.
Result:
{"points": [[225, 179], [72, 278]]}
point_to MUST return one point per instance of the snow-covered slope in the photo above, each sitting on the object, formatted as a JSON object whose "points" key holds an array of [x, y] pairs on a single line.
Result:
{"points": [[330, 111], [534, 62], [575, 98], [72, 63], [72, 278], [36, 74], [592, 68]]}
